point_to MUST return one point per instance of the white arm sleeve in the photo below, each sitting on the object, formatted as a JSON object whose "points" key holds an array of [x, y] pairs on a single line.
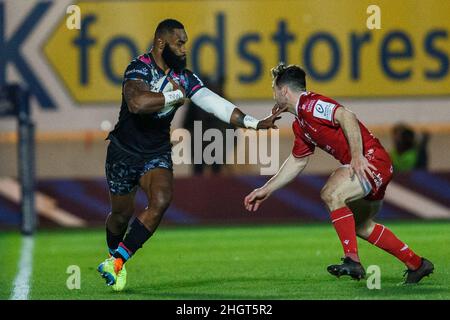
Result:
{"points": [[213, 103]]}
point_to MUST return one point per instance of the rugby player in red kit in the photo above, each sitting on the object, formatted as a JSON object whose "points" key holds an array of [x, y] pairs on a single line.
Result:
{"points": [[354, 192]]}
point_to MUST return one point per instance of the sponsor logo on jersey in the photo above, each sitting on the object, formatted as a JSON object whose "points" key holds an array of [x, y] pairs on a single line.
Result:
{"points": [[324, 110], [143, 71]]}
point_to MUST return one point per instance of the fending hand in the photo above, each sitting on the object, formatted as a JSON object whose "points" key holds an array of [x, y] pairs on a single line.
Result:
{"points": [[255, 198], [269, 121]]}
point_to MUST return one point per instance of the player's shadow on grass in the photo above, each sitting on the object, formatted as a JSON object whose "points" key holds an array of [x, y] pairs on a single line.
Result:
{"points": [[283, 289], [392, 286], [171, 289], [420, 289], [193, 296]]}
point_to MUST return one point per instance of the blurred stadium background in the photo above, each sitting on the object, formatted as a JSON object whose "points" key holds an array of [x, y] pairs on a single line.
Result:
{"points": [[397, 74]]}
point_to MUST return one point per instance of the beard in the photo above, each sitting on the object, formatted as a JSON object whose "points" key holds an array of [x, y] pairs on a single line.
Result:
{"points": [[173, 61]]}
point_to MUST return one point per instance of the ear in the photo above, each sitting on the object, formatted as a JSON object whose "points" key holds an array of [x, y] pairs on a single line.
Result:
{"points": [[160, 43]]}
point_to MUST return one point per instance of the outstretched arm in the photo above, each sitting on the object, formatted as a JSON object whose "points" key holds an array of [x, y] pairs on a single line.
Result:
{"points": [[229, 113], [350, 125], [291, 168]]}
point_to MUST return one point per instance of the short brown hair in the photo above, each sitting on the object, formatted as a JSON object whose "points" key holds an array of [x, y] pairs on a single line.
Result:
{"points": [[291, 75]]}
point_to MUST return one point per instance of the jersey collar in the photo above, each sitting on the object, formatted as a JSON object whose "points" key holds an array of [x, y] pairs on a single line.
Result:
{"points": [[298, 101]]}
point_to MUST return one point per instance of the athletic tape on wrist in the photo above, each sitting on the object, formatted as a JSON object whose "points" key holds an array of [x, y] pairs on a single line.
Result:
{"points": [[172, 97], [250, 122]]}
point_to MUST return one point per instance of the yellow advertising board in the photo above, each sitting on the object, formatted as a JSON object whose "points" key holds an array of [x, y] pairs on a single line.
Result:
{"points": [[242, 39]]}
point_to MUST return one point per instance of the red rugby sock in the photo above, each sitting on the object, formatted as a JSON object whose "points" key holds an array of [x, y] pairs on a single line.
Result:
{"points": [[383, 238], [344, 223]]}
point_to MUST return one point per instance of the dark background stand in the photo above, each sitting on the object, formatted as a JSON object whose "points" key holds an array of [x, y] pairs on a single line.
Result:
{"points": [[14, 102]]}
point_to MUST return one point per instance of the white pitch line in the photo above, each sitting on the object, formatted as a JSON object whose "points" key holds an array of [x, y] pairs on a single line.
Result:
{"points": [[414, 202], [21, 285]]}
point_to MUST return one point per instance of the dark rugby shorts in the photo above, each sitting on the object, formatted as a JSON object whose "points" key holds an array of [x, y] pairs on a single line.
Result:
{"points": [[123, 169]]}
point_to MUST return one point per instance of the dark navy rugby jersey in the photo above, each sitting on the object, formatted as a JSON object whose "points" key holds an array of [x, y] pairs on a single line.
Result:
{"points": [[149, 134]]}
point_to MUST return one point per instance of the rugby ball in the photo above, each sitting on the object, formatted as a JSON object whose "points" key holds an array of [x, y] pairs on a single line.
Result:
{"points": [[163, 85]]}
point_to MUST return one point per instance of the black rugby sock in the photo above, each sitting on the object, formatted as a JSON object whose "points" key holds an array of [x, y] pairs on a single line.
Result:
{"points": [[137, 235], [113, 240]]}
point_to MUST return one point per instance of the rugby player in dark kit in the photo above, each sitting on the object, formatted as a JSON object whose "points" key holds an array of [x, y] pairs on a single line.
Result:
{"points": [[139, 152]]}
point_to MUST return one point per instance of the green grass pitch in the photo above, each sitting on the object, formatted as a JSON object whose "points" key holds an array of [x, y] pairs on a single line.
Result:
{"points": [[245, 262]]}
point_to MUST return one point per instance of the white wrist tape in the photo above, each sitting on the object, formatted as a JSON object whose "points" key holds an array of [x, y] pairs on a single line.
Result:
{"points": [[250, 122], [172, 97]]}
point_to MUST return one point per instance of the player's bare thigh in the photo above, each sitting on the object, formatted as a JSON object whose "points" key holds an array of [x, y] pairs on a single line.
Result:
{"points": [[364, 212], [342, 187], [156, 181]]}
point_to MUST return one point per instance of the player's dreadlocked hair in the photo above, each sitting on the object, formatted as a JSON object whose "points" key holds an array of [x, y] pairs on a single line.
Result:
{"points": [[291, 75], [167, 26]]}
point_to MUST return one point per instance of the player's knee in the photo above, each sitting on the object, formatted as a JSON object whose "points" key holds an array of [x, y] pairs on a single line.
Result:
{"points": [[331, 197], [325, 195], [122, 214], [118, 219], [160, 201]]}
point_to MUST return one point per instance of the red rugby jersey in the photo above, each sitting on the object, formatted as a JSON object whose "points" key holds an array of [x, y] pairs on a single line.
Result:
{"points": [[315, 126]]}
